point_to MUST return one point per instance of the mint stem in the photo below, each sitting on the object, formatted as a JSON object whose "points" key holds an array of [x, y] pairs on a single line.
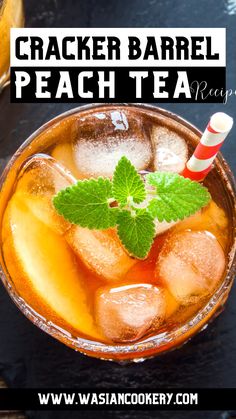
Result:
{"points": [[111, 201]]}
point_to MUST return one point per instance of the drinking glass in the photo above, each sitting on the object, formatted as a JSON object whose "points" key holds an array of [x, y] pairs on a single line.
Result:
{"points": [[11, 16], [222, 176]]}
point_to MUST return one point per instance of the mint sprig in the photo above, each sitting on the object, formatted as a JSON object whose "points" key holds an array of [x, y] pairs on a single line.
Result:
{"points": [[101, 203]]}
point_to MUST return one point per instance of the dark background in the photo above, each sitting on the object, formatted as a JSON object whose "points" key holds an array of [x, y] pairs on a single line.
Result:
{"points": [[30, 358]]}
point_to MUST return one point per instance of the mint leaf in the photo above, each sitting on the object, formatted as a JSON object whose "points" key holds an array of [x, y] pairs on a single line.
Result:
{"points": [[177, 197], [136, 232], [87, 203], [127, 183]]}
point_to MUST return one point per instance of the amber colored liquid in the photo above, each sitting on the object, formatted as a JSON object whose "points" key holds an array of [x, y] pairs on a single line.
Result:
{"points": [[11, 16], [47, 270]]}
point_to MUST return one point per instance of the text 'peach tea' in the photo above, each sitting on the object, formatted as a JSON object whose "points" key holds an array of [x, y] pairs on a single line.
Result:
{"points": [[81, 285]]}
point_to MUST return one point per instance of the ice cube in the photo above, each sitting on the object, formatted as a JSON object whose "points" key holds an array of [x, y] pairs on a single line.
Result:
{"points": [[64, 154], [211, 218], [39, 180], [161, 227], [101, 251], [127, 313], [190, 265], [42, 175], [105, 137], [170, 150]]}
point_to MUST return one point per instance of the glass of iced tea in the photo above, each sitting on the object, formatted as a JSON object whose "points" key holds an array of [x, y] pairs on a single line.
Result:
{"points": [[80, 285], [11, 16]]}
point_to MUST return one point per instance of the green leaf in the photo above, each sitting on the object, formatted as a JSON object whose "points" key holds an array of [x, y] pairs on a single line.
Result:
{"points": [[170, 198], [177, 197], [87, 203], [127, 183], [136, 232]]}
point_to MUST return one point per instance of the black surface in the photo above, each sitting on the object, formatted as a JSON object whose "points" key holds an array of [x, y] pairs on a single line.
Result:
{"points": [[30, 358]]}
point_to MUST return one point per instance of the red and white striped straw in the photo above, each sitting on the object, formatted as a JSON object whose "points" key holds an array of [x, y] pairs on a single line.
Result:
{"points": [[213, 137]]}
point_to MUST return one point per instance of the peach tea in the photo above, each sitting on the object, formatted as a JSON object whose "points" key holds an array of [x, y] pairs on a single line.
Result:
{"points": [[89, 275], [11, 16]]}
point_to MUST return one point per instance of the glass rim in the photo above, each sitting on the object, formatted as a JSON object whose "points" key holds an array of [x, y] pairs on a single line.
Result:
{"points": [[157, 341]]}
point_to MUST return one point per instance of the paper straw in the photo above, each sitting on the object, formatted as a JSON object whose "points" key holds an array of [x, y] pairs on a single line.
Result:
{"points": [[213, 137]]}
